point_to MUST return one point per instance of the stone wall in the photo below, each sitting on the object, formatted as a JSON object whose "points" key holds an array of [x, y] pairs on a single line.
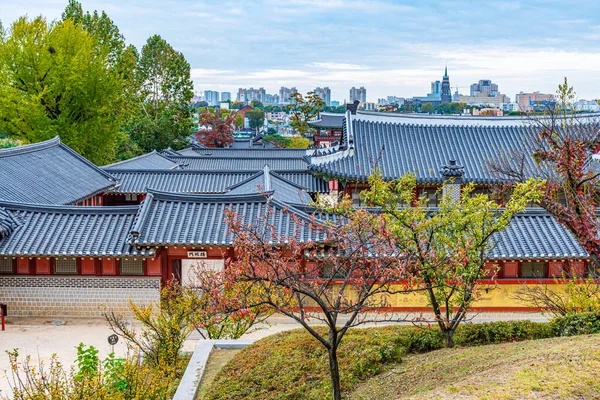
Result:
{"points": [[74, 296]]}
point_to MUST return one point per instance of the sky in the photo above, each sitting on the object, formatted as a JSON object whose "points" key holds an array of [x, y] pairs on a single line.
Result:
{"points": [[389, 47]]}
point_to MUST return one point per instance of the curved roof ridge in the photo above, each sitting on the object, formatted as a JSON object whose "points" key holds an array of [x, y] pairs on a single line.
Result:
{"points": [[67, 208], [30, 147], [141, 156], [223, 198]]}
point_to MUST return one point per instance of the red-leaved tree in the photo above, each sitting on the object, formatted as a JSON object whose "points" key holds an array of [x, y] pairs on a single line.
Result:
{"points": [[562, 145], [216, 129], [339, 275]]}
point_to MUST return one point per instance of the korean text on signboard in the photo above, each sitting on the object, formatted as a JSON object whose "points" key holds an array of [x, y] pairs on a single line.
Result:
{"points": [[196, 254]]}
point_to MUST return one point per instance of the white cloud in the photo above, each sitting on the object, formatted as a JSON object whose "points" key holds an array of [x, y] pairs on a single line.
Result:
{"points": [[337, 66]]}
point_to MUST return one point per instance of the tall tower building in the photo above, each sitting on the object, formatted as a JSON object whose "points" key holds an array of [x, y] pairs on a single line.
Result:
{"points": [[446, 95]]}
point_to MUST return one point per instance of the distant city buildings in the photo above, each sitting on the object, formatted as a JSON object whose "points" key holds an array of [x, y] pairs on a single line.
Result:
{"points": [[485, 100], [335, 103], [225, 96], [391, 100], [440, 92], [484, 86], [249, 95], [436, 87], [529, 101], [324, 94], [359, 94], [587, 105], [367, 106], [211, 97], [508, 107], [285, 94]]}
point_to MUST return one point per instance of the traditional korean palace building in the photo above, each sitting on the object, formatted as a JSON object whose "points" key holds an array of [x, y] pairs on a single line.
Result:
{"points": [[75, 237]]}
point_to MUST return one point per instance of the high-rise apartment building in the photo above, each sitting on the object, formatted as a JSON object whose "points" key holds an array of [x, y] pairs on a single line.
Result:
{"points": [[225, 96], [359, 94], [211, 97], [484, 86], [285, 94], [241, 95], [324, 94]]}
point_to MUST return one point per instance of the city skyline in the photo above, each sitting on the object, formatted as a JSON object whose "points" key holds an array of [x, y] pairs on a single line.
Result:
{"points": [[521, 46]]}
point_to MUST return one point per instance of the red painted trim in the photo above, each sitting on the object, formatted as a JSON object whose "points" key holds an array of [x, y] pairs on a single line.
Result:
{"points": [[426, 309]]}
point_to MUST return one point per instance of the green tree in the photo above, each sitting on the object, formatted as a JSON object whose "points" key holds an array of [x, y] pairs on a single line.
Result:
{"points": [[58, 79], [256, 118], [277, 140], [426, 108], [238, 121], [446, 249], [163, 118], [298, 142], [304, 109]]}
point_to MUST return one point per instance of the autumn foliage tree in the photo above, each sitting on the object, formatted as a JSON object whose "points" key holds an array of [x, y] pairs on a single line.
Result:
{"points": [[562, 146], [216, 129], [349, 274]]}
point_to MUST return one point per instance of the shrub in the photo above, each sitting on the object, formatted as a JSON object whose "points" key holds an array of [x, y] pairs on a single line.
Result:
{"points": [[576, 324], [501, 331], [416, 339], [113, 378]]}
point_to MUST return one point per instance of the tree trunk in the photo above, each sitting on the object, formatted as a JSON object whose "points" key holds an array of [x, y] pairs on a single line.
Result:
{"points": [[449, 335], [335, 374]]}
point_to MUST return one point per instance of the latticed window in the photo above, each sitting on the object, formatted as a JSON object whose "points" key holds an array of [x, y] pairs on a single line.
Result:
{"points": [[533, 270], [66, 266], [7, 265], [132, 266], [432, 195]]}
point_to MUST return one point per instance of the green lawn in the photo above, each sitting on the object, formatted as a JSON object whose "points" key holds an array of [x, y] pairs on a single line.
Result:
{"points": [[217, 360], [408, 362], [557, 368]]}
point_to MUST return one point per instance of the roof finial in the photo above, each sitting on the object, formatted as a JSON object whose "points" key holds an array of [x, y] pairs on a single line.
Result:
{"points": [[267, 178], [446, 70], [452, 170]]}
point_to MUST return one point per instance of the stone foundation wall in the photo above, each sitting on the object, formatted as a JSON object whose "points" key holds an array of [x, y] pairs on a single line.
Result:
{"points": [[74, 296]]}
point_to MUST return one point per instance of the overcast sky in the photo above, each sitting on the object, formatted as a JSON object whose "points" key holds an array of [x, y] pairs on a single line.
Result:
{"points": [[390, 47]]}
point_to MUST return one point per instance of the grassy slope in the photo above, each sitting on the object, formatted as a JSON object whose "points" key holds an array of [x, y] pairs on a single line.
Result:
{"points": [[559, 368], [217, 360]]}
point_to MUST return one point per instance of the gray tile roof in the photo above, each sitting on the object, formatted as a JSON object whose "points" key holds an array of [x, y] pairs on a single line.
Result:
{"points": [[461, 120], [398, 149], [193, 181], [329, 120], [255, 152], [536, 235], [47, 230], [152, 160], [178, 181], [168, 219], [8, 222], [49, 173], [306, 179], [268, 181], [239, 163]]}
